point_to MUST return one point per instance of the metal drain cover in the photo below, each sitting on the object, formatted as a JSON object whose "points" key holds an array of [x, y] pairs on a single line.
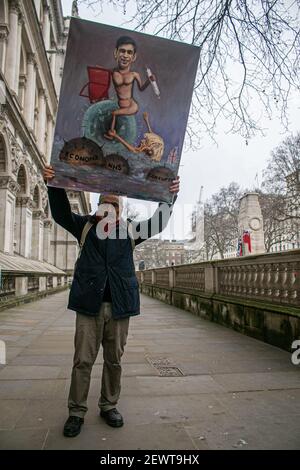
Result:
{"points": [[169, 371], [164, 367]]}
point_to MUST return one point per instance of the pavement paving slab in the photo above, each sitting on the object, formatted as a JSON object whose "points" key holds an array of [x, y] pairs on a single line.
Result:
{"points": [[187, 384]]}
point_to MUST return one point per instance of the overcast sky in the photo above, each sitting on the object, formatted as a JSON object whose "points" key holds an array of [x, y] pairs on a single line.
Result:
{"points": [[212, 166]]}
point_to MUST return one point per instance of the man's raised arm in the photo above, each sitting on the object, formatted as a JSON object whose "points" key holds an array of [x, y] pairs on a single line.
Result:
{"points": [[61, 209], [145, 229]]}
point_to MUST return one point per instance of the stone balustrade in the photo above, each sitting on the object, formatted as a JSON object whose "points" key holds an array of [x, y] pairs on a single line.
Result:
{"points": [[28, 286], [258, 295], [268, 277]]}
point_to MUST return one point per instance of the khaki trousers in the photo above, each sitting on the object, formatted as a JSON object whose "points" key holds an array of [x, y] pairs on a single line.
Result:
{"points": [[90, 333]]}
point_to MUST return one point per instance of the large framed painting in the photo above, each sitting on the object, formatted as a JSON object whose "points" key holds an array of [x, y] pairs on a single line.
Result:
{"points": [[123, 109]]}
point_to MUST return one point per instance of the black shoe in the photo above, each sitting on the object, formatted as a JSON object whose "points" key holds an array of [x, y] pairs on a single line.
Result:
{"points": [[112, 417], [72, 426]]}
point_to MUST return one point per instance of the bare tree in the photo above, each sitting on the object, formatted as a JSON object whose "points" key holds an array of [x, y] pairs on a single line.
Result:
{"points": [[280, 202], [282, 178], [249, 56], [221, 221], [275, 230]]}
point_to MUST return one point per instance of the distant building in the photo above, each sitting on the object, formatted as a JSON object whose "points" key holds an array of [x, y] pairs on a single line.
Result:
{"points": [[156, 253]]}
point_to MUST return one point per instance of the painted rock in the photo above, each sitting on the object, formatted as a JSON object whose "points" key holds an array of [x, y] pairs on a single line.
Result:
{"points": [[82, 151], [161, 174], [117, 163]]}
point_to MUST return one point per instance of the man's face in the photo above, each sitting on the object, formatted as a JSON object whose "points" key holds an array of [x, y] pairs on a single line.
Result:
{"points": [[110, 206], [125, 56]]}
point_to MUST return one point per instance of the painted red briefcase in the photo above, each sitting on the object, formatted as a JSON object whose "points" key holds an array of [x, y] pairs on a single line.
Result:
{"points": [[98, 84]]}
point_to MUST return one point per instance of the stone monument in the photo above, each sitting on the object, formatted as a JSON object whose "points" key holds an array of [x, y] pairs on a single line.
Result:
{"points": [[250, 219]]}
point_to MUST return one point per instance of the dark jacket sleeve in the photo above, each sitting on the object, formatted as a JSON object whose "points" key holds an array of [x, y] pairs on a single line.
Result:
{"points": [[145, 229], [62, 214]]}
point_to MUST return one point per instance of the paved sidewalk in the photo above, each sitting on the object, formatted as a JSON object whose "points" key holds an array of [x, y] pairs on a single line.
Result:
{"points": [[218, 390]]}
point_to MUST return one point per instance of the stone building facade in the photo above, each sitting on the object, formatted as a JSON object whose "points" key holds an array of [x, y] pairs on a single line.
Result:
{"points": [[33, 35]]}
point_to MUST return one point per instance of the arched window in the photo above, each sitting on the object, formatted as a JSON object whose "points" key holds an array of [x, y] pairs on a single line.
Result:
{"points": [[36, 197], [47, 210], [22, 179], [3, 13], [20, 246], [22, 77], [2, 154], [41, 12], [36, 112]]}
